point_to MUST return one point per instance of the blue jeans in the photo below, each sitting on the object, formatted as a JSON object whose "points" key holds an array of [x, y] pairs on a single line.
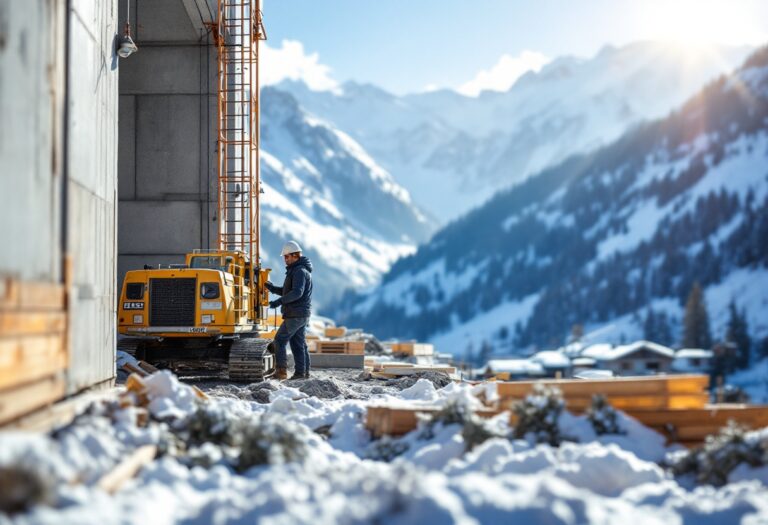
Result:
{"points": [[292, 331]]}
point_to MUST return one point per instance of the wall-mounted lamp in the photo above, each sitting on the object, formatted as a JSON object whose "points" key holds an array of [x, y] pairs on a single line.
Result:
{"points": [[125, 44]]}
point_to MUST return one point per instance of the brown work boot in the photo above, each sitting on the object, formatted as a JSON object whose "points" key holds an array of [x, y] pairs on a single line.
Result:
{"points": [[281, 374]]}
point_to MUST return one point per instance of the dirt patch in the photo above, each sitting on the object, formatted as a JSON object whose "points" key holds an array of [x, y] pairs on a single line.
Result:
{"points": [[438, 379]]}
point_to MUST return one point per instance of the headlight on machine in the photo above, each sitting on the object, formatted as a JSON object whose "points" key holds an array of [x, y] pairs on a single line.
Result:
{"points": [[138, 319], [207, 319], [209, 290]]}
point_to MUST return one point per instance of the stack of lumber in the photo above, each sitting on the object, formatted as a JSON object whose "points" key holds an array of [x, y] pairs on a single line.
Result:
{"points": [[396, 421], [333, 332], [388, 370], [413, 349], [675, 406], [624, 393]]}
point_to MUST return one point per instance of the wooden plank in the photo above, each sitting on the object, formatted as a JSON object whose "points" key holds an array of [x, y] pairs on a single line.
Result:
{"points": [[753, 416], [26, 359], [41, 296], [31, 295], [340, 347], [9, 293], [127, 469], [414, 349], [31, 323], [682, 384], [396, 421], [335, 331], [647, 402], [22, 400], [410, 370]]}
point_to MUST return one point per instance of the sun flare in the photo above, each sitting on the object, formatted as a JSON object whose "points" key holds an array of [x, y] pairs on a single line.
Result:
{"points": [[696, 23]]}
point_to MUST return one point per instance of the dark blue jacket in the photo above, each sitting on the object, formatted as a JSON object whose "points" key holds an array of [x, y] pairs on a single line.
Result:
{"points": [[296, 290]]}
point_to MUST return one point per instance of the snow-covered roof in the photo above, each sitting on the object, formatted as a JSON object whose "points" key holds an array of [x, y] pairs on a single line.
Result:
{"points": [[694, 353], [572, 349], [551, 359], [515, 366], [606, 352], [583, 361], [596, 351]]}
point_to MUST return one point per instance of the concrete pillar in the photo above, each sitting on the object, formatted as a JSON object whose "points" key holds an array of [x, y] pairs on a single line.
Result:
{"points": [[167, 159]]}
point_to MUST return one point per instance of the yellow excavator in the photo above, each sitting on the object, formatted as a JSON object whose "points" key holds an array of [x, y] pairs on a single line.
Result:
{"points": [[212, 311]]}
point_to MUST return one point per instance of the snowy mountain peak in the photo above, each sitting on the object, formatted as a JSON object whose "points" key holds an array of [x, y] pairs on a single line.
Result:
{"points": [[320, 187], [603, 239], [478, 145]]}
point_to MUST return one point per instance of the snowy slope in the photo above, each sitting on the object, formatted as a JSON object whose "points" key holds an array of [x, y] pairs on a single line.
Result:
{"points": [[602, 237], [470, 147], [322, 189]]}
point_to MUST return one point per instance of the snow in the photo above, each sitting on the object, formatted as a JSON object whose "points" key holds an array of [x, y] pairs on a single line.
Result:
{"points": [[435, 479], [606, 352], [516, 366], [748, 287], [506, 314], [402, 290]]}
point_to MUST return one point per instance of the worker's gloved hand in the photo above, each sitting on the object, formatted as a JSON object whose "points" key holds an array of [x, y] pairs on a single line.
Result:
{"points": [[275, 303], [269, 286]]}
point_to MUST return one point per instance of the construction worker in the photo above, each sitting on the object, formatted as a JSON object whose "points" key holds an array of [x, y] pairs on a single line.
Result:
{"points": [[296, 305]]}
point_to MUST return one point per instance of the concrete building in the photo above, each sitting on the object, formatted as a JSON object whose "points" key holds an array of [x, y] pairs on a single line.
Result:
{"points": [[167, 155], [58, 150]]}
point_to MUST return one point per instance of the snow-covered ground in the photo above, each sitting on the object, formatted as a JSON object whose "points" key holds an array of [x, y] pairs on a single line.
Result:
{"points": [[333, 472]]}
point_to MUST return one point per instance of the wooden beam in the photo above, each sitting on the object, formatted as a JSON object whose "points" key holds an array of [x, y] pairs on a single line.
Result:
{"points": [[22, 400], [31, 295], [677, 384], [113, 480], [26, 359], [13, 323]]}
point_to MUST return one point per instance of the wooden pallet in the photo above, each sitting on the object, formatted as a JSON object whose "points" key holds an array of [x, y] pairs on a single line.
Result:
{"points": [[340, 347], [396, 421], [624, 393], [414, 349]]}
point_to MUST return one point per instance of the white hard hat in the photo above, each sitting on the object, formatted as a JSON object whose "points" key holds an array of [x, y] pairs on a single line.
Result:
{"points": [[291, 247]]}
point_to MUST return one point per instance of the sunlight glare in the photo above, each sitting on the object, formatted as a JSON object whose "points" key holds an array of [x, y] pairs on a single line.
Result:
{"points": [[697, 23]]}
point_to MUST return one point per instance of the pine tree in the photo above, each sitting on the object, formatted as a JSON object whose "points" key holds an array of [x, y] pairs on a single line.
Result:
{"points": [[664, 329], [763, 350], [577, 333], [696, 332], [486, 350], [737, 332], [649, 326]]}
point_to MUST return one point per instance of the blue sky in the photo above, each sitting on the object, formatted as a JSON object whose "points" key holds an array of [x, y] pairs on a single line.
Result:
{"points": [[407, 45]]}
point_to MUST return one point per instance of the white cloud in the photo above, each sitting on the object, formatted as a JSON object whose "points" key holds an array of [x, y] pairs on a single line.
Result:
{"points": [[506, 71], [291, 62]]}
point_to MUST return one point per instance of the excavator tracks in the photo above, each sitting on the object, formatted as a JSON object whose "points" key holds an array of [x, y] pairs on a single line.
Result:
{"points": [[251, 360]]}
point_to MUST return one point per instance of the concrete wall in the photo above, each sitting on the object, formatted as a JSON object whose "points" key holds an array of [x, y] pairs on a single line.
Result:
{"points": [[92, 192], [167, 157], [31, 146], [58, 147]]}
